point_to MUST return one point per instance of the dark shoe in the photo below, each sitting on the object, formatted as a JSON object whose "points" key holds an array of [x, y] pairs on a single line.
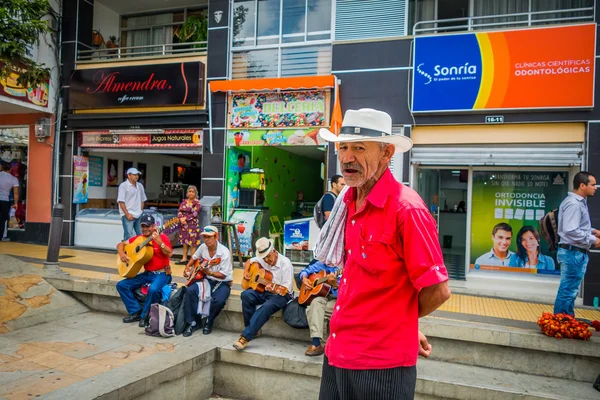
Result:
{"points": [[144, 323], [315, 350], [597, 384], [182, 262], [188, 331], [132, 318], [207, 329]]}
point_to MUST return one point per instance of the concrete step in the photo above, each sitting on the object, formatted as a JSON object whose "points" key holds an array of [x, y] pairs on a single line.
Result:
{"points": [[297, 376]]}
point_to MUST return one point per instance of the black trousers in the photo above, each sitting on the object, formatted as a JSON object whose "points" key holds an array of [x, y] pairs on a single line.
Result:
{"points": [[4, 213], [372, 384]]}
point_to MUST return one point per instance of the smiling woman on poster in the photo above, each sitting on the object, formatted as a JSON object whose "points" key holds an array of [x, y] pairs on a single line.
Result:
{"points": [[528, 250]]}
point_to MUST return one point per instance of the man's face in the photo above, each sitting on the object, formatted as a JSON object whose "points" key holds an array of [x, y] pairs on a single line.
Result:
{"points": [[133, 177], [502, 240], [590, 188], [147, 229], [271, 259], [339, 186], [210, 240], [359, 161]]}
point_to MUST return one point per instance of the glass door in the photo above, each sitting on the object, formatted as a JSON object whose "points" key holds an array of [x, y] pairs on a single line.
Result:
{"points": [[445, 193]]}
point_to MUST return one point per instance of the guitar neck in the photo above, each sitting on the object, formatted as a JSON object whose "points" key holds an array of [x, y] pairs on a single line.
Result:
{"points": [[324, 279], [266, 282]]}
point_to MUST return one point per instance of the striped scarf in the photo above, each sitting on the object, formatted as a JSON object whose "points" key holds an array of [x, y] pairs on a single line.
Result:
{"points": [[329, 248]]}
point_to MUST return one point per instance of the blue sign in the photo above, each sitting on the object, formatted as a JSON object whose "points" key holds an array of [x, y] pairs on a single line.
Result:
{"points": [[295, 235], [447, 73]]}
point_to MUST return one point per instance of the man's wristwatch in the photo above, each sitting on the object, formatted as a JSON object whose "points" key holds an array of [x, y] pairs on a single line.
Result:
{"points": [[162, 245]]}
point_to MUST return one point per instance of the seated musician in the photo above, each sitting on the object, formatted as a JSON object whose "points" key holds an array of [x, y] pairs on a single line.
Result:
{"points": [[218, 271], [281, 268], [321, 308], [157, 272]]}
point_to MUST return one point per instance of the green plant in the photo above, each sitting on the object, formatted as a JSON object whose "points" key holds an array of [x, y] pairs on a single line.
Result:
{"points": [[194, 29], [113, 39], [22, 27]]}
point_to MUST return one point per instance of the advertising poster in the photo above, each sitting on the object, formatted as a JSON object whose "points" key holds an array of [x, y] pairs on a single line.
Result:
{"points": [[112, 171], [10, 88], [295, 235], [245, 221], [538, 68], [237, 161], [278, 109], [286, 137], [80, 179], [96, 165], [507, 206]]}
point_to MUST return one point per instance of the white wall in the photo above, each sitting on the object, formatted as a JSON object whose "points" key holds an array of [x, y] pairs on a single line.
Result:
{"points": [[106, 21], [153, 180]]}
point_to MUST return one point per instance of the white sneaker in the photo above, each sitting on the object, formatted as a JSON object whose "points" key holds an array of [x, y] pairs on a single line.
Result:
{"points": [[6, 239]]}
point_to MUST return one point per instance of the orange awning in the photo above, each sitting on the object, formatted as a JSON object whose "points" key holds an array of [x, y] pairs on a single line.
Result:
{"points": [[262, 84]]}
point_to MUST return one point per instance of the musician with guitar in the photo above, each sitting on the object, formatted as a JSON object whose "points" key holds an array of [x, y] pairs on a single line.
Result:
{"points": [[211, 262], [320, 304], [157, 272], [268, 282]]}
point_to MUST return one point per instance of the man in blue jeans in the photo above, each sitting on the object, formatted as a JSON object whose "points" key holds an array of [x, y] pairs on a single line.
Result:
{"points": [[576, 237], [282, 269], [131, 198], [157, 272]]}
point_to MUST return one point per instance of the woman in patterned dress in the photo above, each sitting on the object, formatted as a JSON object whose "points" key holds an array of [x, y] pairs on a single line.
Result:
{"points": [[189, 216]]}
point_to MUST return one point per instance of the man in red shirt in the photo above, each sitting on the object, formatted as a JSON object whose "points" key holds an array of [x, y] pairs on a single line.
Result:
{"points": [[157, 272], [394, 272]]}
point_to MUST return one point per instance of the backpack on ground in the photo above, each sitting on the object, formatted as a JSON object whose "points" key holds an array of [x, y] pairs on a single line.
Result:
{"points": [[318, 212], [549, 229], [294, 314], [161, 321]]}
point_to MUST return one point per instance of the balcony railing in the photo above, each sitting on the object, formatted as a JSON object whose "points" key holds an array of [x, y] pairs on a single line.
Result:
{"points": [[146, 51], [519, 20]]}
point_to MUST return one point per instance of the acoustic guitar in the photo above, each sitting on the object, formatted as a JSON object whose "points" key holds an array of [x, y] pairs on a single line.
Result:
{"points": [[261, 280], [318, 287], [196, 275], [139, 253]]}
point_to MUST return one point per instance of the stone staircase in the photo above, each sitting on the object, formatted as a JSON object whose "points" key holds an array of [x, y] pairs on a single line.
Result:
{"points": [[470, 360]]}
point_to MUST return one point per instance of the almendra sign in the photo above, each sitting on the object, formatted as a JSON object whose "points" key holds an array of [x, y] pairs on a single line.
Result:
{"points": [[142, 85]]}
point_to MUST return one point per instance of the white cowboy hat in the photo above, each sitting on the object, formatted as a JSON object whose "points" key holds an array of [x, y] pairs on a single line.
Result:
{"points": [[367, 125], [263, 247]]}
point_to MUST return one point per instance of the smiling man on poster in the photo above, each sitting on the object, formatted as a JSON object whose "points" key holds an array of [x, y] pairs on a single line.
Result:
{"points": [[500, 255]]}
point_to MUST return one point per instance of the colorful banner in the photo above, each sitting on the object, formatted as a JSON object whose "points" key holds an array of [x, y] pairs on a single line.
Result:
{"points": [[506, 209], [278, 109], [96, 165], [10, 88], [245, 221], [168, 138], [80, 179], [237, 161], [287, 137], [296, 235], [522, 69]]}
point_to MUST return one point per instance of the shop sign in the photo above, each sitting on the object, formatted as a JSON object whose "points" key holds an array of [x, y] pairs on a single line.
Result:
{"points": [[140, 85], [80, 179], [277, 137], [10, 88], [167, 138], [278, 110], [522, 69], [511, 203], [295, 235]]}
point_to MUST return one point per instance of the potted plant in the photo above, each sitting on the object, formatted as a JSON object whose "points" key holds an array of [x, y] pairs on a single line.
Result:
{"points": [[194, 29], [97, 39], [113, 42]]}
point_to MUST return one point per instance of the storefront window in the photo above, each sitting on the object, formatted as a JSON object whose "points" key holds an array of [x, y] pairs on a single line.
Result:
{"points": [[14, 142]]}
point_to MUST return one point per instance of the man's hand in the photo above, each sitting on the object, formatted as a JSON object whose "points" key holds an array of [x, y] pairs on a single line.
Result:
{"points": [[129, 217], [424, 346], [156, 238], [124, 258], [597, 244], [306, 282], [246, 270], [596, 233], [332, 280], [269, 287], [15, 206], [187, 271]]}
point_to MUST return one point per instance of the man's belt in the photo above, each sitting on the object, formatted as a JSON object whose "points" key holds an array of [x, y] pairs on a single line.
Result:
{"points": [[573, 248]]}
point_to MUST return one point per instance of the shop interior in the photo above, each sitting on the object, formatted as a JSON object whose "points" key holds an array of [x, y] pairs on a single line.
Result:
{"points": [[289, 182], [166, 175], [14, 142], [445, 193]]}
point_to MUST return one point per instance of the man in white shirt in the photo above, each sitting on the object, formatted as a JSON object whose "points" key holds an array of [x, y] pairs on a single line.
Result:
{"points": [[218, 272], [282, 269], [7, 183], [131, 198]]}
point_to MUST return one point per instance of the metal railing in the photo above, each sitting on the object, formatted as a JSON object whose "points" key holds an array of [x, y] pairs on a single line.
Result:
{"points": [[521, 20], [151, 50]]}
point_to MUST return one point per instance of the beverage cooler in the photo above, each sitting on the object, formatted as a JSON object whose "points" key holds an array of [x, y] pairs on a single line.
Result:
{"points": [[102, 228]]}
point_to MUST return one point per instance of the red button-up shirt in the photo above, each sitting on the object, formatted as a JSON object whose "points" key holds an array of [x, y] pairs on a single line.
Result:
{"points": [[392, 251], [158, 260]]}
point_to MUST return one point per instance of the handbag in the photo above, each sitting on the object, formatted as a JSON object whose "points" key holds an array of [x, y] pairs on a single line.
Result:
{"points": [[294, 314]]}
